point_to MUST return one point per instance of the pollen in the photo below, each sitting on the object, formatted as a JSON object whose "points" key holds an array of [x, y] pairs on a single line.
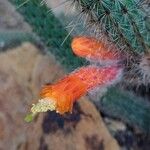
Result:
{"points": [[43, 105]]}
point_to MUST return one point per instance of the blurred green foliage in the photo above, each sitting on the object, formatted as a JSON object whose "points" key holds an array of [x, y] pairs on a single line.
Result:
{"points": [[126, 106], [50, 31]]}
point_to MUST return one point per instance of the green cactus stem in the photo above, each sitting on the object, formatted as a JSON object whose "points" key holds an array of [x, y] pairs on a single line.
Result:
{"points": [[122, 21]]}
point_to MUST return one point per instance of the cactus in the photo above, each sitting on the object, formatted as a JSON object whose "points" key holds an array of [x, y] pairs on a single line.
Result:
{"points": [[131, 37], [127, 24], [123, 22]]}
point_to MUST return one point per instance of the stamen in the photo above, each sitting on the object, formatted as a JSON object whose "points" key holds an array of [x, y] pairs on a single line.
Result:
{"points": [[44, 105]]}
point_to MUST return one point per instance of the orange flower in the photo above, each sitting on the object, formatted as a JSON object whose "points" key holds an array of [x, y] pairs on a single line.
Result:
{"points": [[61, 95], [93, 49]]}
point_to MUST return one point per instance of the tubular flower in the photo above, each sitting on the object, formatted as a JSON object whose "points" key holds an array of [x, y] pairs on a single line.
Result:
{"points": [[61, 95], [93, 49]]}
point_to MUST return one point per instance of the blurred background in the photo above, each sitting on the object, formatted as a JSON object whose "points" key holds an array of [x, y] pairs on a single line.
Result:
{"points": [[34, 52]]}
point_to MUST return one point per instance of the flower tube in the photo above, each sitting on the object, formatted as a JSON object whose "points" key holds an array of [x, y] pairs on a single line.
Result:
{"points": [[93, 49], [61, 95]]}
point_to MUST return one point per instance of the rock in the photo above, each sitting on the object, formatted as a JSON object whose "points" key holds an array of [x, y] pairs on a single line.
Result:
{"points": [[10, 19], [23, 71], [46, 70], [114, 125]]}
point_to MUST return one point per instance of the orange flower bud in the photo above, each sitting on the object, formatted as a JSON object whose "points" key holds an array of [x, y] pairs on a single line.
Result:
{"points": [[61, 95], [93, 49]]}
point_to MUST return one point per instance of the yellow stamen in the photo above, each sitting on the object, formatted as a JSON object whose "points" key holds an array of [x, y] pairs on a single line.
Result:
{"points": [[44, 105]]}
